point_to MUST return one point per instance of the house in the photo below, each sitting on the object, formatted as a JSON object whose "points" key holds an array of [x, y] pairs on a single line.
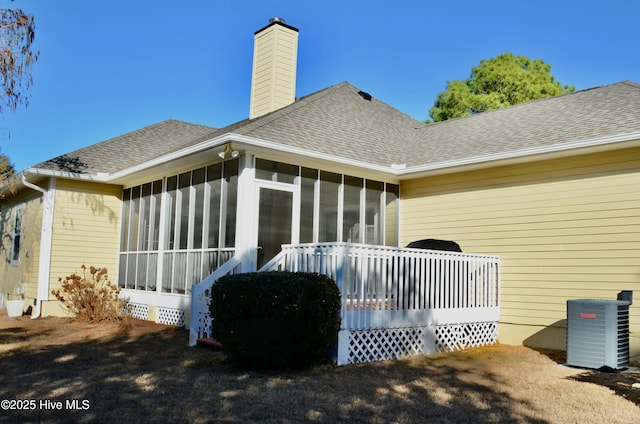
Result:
{"points": [[551, 186]]}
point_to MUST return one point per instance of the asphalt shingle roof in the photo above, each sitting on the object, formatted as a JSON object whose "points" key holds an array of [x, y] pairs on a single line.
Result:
{"points": [[128, 150], [582, 115], [343, 121]]}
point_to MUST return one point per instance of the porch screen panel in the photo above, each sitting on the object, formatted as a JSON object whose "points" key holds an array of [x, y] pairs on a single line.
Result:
{"points": [[141, 272], [172, 196], [134, 219], [274, 223], [145, 217], [141, 207], [287, 173], [392, 194], [124, 231], [276, 171], [156, 207], [308, 178], [132, 268], [231, 192], [167, 272], [179, 272], [373, 215], [351, 210], [214, 186], [199, 218], [124, 238], [328, 216], [152, 271], [184, 188], [122, 270], [198, 221]]}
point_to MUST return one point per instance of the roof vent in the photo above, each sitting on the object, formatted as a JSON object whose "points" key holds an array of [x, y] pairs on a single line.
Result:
{"points": [[364, 95], [276, 19]]}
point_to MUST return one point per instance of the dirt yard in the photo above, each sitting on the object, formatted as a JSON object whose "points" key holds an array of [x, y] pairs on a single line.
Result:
{"points": [[57, 370]]}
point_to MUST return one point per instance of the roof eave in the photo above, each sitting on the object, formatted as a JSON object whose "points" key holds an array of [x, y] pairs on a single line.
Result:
{"points": [[555, 151], [255, 145], [391, 171]]}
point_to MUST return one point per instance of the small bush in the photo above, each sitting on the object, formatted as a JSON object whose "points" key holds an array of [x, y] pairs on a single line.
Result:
{"points": [[90, 296], [276, 320]]}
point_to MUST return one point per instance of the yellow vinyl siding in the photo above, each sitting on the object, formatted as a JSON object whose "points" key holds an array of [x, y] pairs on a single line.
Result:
{"points": [[273, 81], [26, 271], [565, 229], [86, 229]]}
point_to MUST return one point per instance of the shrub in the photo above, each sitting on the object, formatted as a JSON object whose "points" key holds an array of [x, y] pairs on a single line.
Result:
{"points": [[275, 320], [90, 296]]}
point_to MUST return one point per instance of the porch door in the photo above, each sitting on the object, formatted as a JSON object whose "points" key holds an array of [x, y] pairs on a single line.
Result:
{"points": [[278, 220]]}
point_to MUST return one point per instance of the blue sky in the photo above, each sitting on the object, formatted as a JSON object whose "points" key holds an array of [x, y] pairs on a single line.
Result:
{"points": [[110, 67]]}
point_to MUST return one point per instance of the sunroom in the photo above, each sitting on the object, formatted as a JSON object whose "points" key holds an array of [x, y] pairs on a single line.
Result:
{"points": [[177, 229]]}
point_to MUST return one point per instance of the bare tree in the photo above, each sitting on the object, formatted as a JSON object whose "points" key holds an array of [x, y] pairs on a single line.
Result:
{"points": [[17, 32]]}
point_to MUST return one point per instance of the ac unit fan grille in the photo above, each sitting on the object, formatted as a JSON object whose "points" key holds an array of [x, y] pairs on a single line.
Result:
{"points": [[598, 333]]}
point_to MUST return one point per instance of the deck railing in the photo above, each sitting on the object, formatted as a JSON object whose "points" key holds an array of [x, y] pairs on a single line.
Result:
{"points": [[409, 291], [200, 322], [380, 285], [395, 302]]}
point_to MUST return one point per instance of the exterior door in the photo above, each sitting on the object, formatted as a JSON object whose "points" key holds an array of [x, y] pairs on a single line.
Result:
{"points": [[278, 219]]}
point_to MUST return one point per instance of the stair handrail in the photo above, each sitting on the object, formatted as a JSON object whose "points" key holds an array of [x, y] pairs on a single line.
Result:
{"points": [[200, 321]]}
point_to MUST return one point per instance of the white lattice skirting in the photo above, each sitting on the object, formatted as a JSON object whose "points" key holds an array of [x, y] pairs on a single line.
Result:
{"points": [[170, 316], [166, 316], [392, 343], [462, 336], [138, 310]]}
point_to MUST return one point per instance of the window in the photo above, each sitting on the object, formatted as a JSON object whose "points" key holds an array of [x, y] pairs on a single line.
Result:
{"points": [[17, 235]]}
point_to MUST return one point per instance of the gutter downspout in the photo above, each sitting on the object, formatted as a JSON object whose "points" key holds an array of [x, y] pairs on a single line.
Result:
{"points": [[44, 264]]}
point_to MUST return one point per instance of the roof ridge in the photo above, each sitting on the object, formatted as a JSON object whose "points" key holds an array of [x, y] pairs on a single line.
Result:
{"points": [[631, 83], [296, 105]]}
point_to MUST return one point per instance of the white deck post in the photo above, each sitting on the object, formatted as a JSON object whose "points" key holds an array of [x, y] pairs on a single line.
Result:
{"points": [[246, 219], [343, 347]]}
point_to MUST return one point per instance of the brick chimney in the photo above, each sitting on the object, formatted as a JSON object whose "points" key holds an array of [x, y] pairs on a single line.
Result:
{"points": [[273, 79]]}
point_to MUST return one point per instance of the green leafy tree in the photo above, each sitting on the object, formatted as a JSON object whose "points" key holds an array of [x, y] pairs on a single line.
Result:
{"points": [[503, 81]]}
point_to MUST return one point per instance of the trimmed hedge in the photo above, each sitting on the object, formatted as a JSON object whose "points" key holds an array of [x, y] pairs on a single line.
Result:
{"points": [[275, 320]]}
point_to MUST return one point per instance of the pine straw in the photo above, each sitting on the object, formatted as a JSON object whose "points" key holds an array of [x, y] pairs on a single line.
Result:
{"points": [[147, 373]]}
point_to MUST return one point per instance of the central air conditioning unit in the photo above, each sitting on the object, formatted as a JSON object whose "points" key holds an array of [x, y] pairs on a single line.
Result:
{"points": [[598, 333]]}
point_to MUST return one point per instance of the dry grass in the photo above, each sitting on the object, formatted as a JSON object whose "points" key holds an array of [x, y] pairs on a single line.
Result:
{"points": [[147, 373]]}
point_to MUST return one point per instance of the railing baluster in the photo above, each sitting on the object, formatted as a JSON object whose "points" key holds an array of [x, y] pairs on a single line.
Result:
{"points": [[387, 287]]}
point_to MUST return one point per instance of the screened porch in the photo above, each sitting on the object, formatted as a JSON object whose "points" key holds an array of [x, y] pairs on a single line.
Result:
{"points": [[178, 229]]}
